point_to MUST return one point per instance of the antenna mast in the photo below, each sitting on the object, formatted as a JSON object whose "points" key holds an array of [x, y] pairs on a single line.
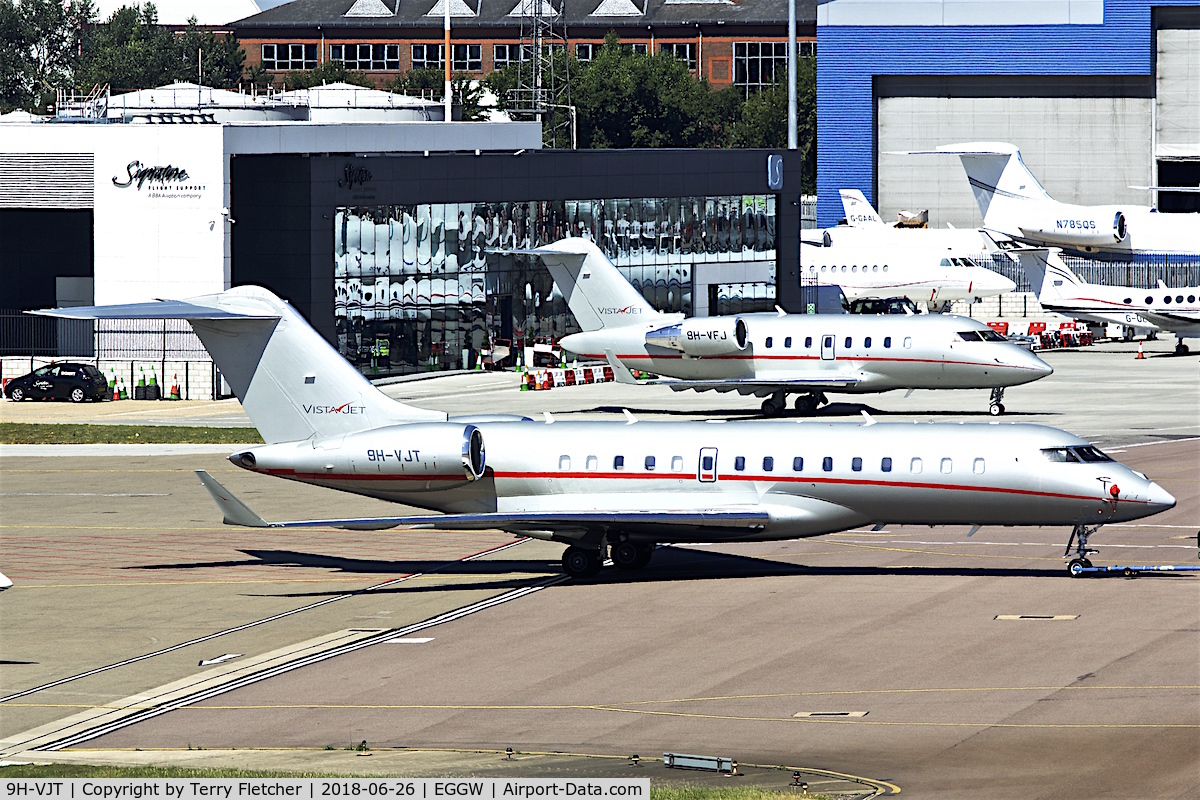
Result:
{"points": [[543, 90]]}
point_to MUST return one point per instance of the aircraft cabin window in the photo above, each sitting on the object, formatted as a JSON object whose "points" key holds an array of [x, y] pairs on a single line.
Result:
{"points": [[677, 464], [618, 462], [591, 464], [867, 342], [564, 463], [706, 463], [739, 463], [827, 464], [848, 341], [823, 268], [978, 467], [854, 268], [770, 340], [768, 464], [875, 268], [843, 268], [1178, 298], [1149, 301], [885, 465], [887, 341], [915, 466], [856, 464], [947, 466], [649, 463], [1128, 300], [885, 267], [1167, 299], [1191, 298], [907, 342], [808, 341], [797, 464], [787, 342]]}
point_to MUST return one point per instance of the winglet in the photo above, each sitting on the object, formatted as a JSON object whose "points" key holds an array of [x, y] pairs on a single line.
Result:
{"points": [[620, 371], [973, 531], [630, 419], [236, 512], [869, 419]]}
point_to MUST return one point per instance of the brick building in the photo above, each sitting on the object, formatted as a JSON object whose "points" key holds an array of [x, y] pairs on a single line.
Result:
{"points": [[739, 43]]}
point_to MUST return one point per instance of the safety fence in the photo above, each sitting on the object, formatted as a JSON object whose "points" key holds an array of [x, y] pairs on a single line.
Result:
{"points": [[1144, 273]]}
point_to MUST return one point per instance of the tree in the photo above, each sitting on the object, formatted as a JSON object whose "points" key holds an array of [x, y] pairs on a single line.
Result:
{"points": [[630, 99], [222, 57], [430, 82], [39, 42], [763, 121], [15, 71], [130, 51]]}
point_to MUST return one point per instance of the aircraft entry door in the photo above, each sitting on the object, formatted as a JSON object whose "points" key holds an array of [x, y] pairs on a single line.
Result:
{"points": [[828, 342], [708, 465]]}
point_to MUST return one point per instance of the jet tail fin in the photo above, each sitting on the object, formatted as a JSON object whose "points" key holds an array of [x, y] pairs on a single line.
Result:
{"points": [[996, 172], [859, 212], [1047, 274], [292, 384], [595, 290]]}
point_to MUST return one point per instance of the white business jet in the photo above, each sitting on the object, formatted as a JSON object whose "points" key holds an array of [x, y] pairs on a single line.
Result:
{"points": [[1016, 205], [620, 488], [1161, 309], [878, 261], [774, 355]]}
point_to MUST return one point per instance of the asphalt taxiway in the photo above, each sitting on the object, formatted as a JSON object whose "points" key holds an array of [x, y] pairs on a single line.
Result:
{"points": [[977, 665]]}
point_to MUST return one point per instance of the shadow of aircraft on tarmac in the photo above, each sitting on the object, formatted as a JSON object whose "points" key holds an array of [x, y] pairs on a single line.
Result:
{"points": [[851, 411], [670, 564]]}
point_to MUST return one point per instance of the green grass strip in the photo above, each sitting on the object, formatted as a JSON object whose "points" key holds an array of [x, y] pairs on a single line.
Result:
{"points": [[37, 433]]}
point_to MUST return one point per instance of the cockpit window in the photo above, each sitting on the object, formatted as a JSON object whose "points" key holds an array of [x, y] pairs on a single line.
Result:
{"points": [[991, 336], [945, 262], [1075, 455], [969, 336]]}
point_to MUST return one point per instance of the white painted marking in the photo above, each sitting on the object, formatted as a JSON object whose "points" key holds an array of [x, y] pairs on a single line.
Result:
{"points": [[1036, 616], [409, 640], [831, 713], [221, 659], [83, 494]]}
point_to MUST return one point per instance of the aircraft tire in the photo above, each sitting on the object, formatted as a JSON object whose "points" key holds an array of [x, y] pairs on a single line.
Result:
{"points": [[625, 555], [645, 553], [581, 563], [806, 403], [770, 409], [1076, 567], [996, 410], [1182, 349]]}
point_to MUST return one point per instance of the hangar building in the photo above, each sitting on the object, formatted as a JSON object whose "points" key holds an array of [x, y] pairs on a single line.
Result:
{"points": [[1100, 95]]}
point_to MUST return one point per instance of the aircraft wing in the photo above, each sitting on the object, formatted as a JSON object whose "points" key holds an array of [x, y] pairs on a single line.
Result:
{"points": [[159, 309], [238, 513], [743, 385], [1168, 320]]}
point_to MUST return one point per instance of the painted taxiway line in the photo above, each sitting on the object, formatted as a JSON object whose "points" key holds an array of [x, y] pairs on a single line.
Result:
{"points": [[248, 625], [99, 721]]}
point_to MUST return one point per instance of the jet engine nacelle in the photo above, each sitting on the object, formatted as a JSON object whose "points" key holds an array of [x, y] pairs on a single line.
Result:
{"points": [[703, 336], [439, 451], [1078, 226]]}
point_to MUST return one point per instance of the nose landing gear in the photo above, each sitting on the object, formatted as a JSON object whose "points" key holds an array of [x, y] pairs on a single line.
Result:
{"points": [[1079, 557], [995, 406]]}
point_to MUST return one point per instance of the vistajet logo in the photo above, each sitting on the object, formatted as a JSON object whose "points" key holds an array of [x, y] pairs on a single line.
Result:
{"points": [[342, 409], [625, 310]]}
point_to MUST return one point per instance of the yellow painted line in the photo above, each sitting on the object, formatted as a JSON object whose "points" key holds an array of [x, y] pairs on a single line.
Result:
{"points": [[1050, 617]]}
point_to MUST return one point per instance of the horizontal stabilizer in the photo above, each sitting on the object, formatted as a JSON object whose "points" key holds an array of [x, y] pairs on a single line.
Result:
{"points": [[237, 513], [159, 309]]}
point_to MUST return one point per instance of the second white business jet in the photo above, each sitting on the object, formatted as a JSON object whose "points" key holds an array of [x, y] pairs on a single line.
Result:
{"points": [[776, 355], [615, 488]]}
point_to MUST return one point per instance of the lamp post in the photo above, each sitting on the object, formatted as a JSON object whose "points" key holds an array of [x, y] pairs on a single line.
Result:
{"points": [[793, 135]]}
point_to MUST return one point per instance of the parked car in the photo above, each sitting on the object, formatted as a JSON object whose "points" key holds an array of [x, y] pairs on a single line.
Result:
{"points": [[65, 380]]}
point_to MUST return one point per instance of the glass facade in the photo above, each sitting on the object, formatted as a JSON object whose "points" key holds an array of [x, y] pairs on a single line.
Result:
{"points": [[418, 287]]}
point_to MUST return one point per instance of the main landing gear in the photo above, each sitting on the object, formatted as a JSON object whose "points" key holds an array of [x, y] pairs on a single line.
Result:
{"points": [[1079, 557], [995, 406], [583, 563], [805, 404], [1181, 349]]}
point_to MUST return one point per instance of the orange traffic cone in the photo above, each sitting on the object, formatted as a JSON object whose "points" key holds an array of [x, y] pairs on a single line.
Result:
{"points": [[175, 387], [116, 391], [1140, 353]]}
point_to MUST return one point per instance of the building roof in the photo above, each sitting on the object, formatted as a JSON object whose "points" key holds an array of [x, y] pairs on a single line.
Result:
{"points": [[365, 14]]}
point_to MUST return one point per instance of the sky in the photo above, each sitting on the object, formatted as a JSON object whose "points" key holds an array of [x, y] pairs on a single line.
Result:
{"points": [[265, 4]]}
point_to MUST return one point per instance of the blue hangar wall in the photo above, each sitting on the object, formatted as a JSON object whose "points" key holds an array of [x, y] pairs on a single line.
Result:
{"points": [[1109, 44]]}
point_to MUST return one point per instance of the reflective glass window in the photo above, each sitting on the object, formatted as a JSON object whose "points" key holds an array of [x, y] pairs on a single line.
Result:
{"points": [[885, 465], [797, 464], [827, 464], [739, 463]]}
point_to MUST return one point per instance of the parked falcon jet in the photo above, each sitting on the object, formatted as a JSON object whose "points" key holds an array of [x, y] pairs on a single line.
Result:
{"points": [[618, 488], [774, 355], [1161, 308], [863, 220], [1016, 205]]}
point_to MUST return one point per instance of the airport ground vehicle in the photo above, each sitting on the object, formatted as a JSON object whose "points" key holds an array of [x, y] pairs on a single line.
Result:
{"points": [[66, 380]]}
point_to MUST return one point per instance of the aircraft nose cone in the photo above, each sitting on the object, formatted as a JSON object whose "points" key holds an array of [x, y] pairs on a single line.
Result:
{"points": [[1158, 498], [1035, 364], [995, 283]]}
